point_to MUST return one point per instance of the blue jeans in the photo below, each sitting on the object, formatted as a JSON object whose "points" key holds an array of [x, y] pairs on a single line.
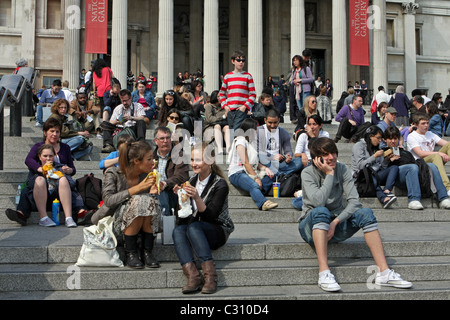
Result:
{"points": [[39, 114], [198, 237], [303, 97], [297, 203], [296, 165], [408, 175], [243, 181], [441, 189], [320, 218], [387, 177], [74, 143], [235, 118], [167, 200]]}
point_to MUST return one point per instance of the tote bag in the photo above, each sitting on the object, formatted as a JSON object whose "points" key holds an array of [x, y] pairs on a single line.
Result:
{"points": [[99, 247]]}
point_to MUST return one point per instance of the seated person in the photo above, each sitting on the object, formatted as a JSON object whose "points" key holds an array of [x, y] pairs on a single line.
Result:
{"points": [[43, 188], [260, 109], [83, 111], [313, 130], [216, 124], [366, 152], [111, 100], [145, 97], [351, 117], [205, 223], [73, 133], [243, 172], [274, 148], [309, 108], [422, 143], [112, 160], [408, 174], [129, 195], [128, 115], [327, 219]]}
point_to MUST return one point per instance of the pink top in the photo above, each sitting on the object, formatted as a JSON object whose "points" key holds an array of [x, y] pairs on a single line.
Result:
{"points": [[103, 84]]}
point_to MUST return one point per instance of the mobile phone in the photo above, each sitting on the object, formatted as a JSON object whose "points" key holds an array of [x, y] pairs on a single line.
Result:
{"points": [[321, 160], [282, 159], [396, 151]]}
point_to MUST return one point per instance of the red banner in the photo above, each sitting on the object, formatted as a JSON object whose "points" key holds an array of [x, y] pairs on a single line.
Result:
{"points": [[96, 33], [359, 32]]}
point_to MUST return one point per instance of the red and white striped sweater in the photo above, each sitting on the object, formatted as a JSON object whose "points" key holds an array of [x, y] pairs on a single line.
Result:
{"points": [[237, 89]]}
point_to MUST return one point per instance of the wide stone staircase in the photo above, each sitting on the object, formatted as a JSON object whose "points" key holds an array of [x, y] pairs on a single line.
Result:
{"points": [[265, 257]]}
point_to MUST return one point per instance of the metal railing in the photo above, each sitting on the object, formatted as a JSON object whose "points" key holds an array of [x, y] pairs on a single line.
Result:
{"points": [[16, 92]]}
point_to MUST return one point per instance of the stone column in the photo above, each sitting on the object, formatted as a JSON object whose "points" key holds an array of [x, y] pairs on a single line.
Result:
{"points": [[298, 29], [195, 36], [211, 46], [235, 31], [29, 32], [71, 57], [119, 41], [165, 46], [255, 44], [340, 60], [380, 77], [409, 33]]}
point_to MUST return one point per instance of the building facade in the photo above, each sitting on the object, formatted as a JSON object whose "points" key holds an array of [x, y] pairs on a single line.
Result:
{"points": [[408, 44]]}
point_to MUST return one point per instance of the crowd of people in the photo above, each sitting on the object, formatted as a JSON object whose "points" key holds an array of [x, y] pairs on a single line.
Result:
{"points": [[394, 145]]}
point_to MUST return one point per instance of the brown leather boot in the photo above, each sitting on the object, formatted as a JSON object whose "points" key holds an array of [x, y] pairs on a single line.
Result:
{"points": [[210, 274], [194, 282]]}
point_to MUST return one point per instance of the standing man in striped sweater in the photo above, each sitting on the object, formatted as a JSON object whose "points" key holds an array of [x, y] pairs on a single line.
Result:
{"points": [[237, 94]]}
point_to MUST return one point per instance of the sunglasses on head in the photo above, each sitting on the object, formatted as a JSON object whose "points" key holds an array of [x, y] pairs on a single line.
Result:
{"points": [[170, 93]]}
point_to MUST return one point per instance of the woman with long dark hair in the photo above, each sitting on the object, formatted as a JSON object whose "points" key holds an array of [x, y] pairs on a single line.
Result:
{"points": [[367, 152]]}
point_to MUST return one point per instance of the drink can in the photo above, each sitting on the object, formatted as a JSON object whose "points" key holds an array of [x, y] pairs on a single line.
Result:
{"points": [[276, 189]]}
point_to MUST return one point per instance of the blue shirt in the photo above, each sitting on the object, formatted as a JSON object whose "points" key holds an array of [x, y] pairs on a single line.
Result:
{"points": [[47, 96]]}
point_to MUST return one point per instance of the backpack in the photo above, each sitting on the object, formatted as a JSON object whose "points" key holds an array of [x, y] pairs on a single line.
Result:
{"points": [[289, 183], [424, 178], [364, 183], [90, 189]]}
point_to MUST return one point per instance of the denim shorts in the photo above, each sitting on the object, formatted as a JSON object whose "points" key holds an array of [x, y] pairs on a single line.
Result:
{"points": [[320, 218]]}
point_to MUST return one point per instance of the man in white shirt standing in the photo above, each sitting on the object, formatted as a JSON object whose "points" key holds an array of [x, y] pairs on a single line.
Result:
{"points": [[422, 143], [381, 96]]}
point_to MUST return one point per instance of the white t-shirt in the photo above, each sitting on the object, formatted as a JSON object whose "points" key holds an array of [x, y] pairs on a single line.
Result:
{"points": [[119, 112], [235, 161], [427, 142], [302, 143], [272, 141]]}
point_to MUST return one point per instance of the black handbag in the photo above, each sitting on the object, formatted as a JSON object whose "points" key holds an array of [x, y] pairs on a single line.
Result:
{"points": [[364, 183], [289, 183]]}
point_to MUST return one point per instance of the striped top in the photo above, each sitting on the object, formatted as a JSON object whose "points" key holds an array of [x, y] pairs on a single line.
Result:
{"points": [[237, 89]]}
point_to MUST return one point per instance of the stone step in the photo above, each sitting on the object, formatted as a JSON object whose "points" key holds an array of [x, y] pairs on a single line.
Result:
{"points": [[230, 274], [275, 241], [277, 299]]}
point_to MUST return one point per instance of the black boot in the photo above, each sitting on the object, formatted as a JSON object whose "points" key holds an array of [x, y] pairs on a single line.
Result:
{"points": [[132, 252], [149, 259]]}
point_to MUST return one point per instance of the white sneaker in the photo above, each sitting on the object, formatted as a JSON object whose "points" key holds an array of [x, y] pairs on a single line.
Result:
{"points": [[391, 279], [448, 193], [38, 124], [70, 223], [47, 222], [327, 282], [444, 204], [415, 205]]}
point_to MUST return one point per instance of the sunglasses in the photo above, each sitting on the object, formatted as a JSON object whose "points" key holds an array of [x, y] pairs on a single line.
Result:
{"points": [[314, 101], [170, 93], [174, 118], [239, 60]]}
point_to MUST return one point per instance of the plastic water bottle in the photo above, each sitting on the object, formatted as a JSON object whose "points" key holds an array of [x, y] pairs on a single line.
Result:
{"points": [[55, 211], [19, 191]]}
